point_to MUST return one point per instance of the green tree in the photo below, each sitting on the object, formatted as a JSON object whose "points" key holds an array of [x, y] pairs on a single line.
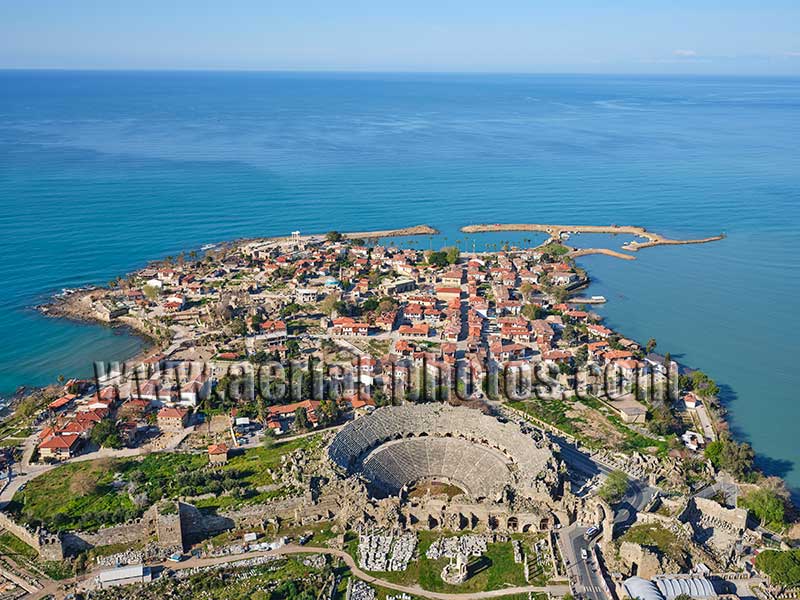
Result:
{"points": [[438, 259], [238, 327], [532, 311], [729, 455], [452, 254], [662, 420], [767, 506], [783, 567], [331, 304], [105, 434], [582, 355], [333, 236], [292, 348], [526, 289], [380, 398], [559, 294], [651, 345], [79, 565], [301, 419], [369, 305], [703, 384], [151, 292], [614, 487], [329, 412]]}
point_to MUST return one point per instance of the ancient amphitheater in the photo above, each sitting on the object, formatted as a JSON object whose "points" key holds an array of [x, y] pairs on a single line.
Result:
{"points": [[395, 447]]}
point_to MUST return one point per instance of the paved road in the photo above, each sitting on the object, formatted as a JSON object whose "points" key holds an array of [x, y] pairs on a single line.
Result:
{"points": [[705, 422], [583, 572], [639, 494]]}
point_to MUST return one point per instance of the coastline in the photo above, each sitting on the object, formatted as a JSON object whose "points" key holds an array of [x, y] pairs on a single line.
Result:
{"points": [[76, 305]]}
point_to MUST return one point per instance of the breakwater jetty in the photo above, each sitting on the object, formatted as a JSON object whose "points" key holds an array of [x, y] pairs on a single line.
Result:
{"points": [[560, 232]]}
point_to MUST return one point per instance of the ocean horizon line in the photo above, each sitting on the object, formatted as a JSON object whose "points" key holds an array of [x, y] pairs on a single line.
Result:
{"points": [[369, 71]]}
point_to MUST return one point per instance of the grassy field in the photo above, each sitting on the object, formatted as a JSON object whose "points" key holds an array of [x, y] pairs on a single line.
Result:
{"points": [[85, 495], [13, 430], [656, 536], [553, 412], [71, 495], [494, 570], [633, 440], [11, 545]]}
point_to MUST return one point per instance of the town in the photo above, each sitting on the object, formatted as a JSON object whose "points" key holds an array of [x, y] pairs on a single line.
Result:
{"points": [[363, 420]]}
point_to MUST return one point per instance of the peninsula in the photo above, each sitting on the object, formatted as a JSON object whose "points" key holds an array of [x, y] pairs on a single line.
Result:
{"points": [[324, 414]]}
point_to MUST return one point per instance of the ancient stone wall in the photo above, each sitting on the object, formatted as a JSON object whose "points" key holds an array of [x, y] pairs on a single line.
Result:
{"points": [[127, 533], [168, 530], [49, 545]]}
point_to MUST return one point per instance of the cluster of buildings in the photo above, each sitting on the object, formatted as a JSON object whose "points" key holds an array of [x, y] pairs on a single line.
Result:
{"points": [[69, 421], [397, 310], [394, 313]]}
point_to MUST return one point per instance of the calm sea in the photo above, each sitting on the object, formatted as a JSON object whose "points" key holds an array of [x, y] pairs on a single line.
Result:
{"points": [[100, 172]]}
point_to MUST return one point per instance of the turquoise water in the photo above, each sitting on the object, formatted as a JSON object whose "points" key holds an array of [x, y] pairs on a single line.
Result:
{"points": [[100, 172]]}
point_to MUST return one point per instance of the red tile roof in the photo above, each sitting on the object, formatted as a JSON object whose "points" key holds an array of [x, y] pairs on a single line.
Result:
{"points": [[60, 442], [61, 402], [218, 449], [172, 413]]}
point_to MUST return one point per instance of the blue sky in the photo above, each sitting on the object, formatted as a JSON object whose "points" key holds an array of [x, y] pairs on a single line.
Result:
{"points": [[624, 36]]}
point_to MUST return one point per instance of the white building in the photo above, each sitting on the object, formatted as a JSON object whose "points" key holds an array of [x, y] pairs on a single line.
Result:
{"points": [[124, 576]]}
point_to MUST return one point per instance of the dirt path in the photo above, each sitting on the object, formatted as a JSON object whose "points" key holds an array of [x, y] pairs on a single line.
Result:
{"points": [[415, 590], [357, 572]]}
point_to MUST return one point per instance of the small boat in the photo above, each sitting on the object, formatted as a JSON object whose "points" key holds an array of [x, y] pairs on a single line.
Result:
{"points": [[205, 247]]}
